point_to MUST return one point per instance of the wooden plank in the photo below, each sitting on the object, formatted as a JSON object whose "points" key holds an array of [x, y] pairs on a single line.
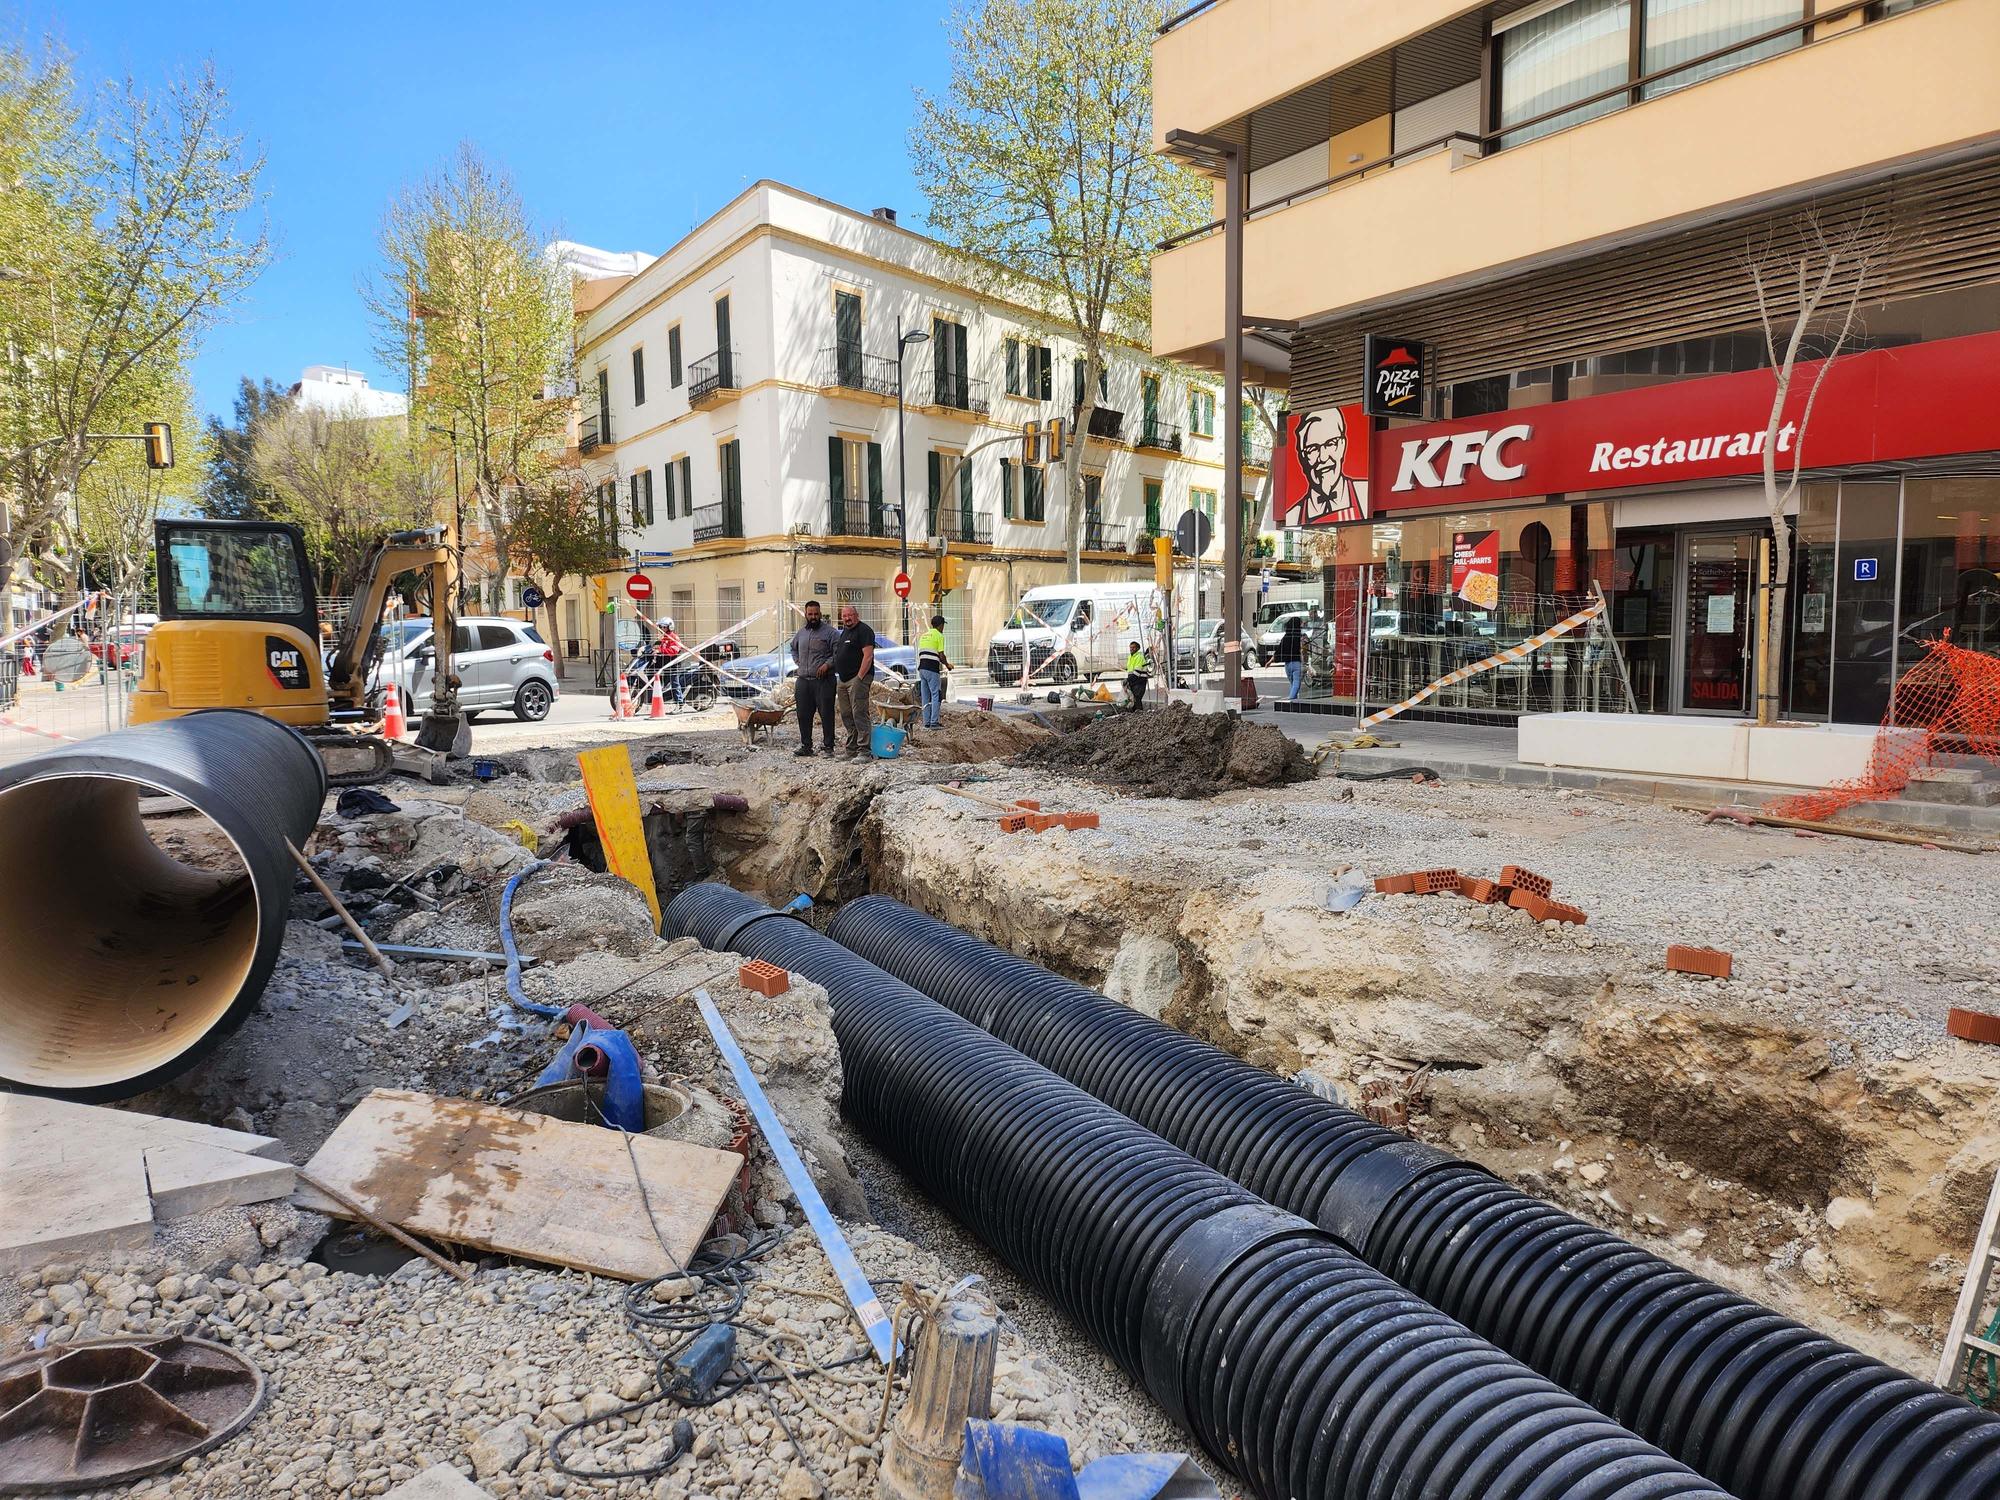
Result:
{"points": [[523, 1184]]}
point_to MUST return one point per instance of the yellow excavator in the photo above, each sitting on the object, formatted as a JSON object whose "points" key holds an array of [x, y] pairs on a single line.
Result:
{"points": [[239, 628]]}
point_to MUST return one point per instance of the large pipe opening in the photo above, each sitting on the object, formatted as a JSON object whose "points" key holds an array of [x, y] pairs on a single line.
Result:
{"points": [[120, 958], [122, 962]]}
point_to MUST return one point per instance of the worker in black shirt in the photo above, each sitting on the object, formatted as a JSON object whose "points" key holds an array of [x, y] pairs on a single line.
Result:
{"points": [[854, 666]]}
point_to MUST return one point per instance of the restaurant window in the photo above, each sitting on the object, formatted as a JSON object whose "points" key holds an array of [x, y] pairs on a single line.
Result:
{"points": [[1555, 56], [1678, 30]]}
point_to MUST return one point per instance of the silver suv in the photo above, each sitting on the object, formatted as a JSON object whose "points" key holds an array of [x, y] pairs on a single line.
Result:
{"points": [[500, 664]]}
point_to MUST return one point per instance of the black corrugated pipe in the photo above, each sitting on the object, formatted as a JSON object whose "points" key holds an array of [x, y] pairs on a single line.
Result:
{"points": [[121, 965], [1294, 1365], [1766, 1408]]}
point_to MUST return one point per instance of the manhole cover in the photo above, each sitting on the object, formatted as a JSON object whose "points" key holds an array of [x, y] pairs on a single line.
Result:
{"points": [[75, 1416]]}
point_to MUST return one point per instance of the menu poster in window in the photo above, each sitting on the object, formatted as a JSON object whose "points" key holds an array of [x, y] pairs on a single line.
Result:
{"points": [[1812, 614], [1475, 567]]}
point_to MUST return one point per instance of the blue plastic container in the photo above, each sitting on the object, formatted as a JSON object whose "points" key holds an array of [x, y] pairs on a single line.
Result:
{"points": [[886, 741]]}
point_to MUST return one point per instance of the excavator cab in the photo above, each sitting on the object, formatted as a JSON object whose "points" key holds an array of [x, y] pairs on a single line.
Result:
{"points": [[240, 628]]}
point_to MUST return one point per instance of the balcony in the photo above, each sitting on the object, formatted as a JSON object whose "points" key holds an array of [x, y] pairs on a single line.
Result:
{"points": [[845, 368], [1637, 173], [1106, 423], [956, 526], [592, 434], [859, 518], [713, 379], [950, 390], [1257, 453], [1159, 436], [1103, 536], [714, 522]]}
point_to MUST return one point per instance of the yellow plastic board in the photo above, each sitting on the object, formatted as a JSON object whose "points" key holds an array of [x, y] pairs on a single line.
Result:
{"points": [[614, 803]]}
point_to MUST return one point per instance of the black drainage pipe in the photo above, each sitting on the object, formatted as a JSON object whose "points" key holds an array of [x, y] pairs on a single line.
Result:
{"points": [[120, 964], [1766, 1408], [1294, 1365]]}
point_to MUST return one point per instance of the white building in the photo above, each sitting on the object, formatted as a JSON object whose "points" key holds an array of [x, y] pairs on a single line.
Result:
{"points": [[342, 392], [738, 400]]}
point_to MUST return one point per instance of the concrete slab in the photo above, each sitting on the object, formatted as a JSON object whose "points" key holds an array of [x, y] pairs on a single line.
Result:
{"points": [[186, 1179], [439, 1482], [79, 1180]]}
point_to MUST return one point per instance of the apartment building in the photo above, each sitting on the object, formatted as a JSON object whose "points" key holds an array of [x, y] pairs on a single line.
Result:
{"points": [[739, 413], [1551, 208]]}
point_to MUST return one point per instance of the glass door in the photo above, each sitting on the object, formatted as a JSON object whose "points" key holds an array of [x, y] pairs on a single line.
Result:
{"points": [[1717, 644]]}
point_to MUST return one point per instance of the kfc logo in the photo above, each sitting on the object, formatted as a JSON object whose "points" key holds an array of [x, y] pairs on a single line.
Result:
{"points": [[1443, 462], [1323, 475]]}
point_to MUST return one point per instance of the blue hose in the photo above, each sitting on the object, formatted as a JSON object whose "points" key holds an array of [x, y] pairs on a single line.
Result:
{"points": [[514, 990]]}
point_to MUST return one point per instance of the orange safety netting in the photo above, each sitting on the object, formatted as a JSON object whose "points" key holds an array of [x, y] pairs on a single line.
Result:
{"points": [[1945, 712]]}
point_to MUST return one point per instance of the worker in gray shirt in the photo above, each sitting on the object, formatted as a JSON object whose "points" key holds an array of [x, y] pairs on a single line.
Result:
{"points": [[812, 653]]}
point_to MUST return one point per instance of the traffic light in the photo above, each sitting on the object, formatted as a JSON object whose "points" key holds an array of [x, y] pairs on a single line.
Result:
{"points": [[951, 573], [159, 445], [600, 595], [1163, 563], [1055, 439], [1031, 443]]}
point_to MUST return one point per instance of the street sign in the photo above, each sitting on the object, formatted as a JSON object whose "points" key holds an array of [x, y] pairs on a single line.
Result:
{"points": [[639, 586], [902, 585], [1193, 532], [533, 598], [1264, 581], [1864, 570], [652, 559]]}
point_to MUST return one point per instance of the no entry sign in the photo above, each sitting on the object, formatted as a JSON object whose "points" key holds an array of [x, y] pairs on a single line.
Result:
{"points": [[639, 586], [902, 585]]}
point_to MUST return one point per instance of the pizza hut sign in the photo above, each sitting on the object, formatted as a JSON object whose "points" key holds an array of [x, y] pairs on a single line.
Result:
{"points": [[1396, 369], [1916, 401]]}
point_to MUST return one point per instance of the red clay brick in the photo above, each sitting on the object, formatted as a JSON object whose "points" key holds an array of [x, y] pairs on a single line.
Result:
{"points": [[1485, 892], [1562, 911], [1014, 822], [1683, 958], [1527, 901], [767, 979], [1029, 803], [1041, 822], [1516, 878], [1395, 885], [1435, 882], [1972, 1025], [1075, 820]]}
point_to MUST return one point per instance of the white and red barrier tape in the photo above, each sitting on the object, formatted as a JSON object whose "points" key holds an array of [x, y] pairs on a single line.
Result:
{"points": [[1515, 653], [48, 734]]}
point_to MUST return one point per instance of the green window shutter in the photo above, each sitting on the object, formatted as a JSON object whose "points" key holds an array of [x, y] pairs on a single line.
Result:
{"points": [[1013, 367], [638, 377], [667, 476], [1152, 505], [936, 480], [836, 462], [674, 356], [687, 485], [1006, 490], [874, 489], [1032, 479], [964, 501]]}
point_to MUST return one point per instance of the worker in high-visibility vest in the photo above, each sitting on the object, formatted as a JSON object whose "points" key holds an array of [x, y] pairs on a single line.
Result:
{"points": [[932, 664], [1137, 674]]}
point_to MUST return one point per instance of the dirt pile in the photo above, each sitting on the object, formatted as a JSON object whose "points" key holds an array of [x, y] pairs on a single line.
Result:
{"points": [[1173, 752], [974, 734]]}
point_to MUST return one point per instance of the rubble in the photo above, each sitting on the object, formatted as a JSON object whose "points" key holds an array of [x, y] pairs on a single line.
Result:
{"points": [[965, 736], [1173, 752]]}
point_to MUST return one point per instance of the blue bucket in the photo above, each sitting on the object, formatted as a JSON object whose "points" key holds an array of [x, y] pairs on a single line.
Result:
{"points": [[885, 741]]}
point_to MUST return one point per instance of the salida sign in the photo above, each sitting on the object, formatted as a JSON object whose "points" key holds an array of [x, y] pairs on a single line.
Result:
{"points": [[1917, 401]]}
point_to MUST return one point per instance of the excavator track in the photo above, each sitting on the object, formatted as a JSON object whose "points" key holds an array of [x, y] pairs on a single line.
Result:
{"points": [[352, 759]]}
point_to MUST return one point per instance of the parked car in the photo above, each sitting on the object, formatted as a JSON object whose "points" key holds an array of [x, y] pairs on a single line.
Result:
{"points": [[770, 668], [1209, 633], [500, 663]]}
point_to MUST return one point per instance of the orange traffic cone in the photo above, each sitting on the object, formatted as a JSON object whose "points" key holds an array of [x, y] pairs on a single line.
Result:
{"points": [[394, 724], [659, 700], [623, 708]]}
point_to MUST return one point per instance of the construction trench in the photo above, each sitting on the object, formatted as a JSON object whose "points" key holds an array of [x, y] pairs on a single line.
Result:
{"points": [[1661, 1205]]}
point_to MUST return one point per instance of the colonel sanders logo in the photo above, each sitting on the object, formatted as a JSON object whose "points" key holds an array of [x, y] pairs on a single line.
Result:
{"points": [[1323, 480]]}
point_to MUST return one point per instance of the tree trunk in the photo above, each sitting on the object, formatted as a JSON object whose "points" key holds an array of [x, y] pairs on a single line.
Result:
{"points": [[555, 625], [1073, 476]]}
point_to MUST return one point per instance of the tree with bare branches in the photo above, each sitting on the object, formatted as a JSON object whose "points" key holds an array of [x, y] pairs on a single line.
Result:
{"points": [[148, 206], [1812, 277], [560, 533], [1037, 160], [470, 306]]}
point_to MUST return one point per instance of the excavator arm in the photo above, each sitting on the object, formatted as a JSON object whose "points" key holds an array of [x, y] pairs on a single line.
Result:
{"points": [[358, 645]]}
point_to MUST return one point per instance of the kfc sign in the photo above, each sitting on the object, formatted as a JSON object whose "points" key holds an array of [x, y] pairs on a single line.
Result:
{"points": [[1322, 468], [1914, 401], [1395, 370]]}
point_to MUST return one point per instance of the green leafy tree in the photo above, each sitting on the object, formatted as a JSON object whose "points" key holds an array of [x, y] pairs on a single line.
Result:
{"points": [[142, 232], [229, 489], [1038, 158], [559, 533], [344, 479], [469, 305], [119, 497]]}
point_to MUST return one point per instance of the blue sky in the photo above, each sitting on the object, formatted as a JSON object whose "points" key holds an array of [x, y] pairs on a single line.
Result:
{"points": [[624, 124]]}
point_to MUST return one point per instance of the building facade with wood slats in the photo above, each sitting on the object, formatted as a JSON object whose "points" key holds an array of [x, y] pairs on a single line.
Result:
{"points": [[1596, 223]]}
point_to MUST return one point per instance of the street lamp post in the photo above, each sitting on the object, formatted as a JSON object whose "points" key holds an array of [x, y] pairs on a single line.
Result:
{"points": [[903, 342], [457, 505]]}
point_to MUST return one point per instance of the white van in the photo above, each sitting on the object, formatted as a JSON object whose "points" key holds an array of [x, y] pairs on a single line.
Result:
{"points": [[1073, 630]]}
